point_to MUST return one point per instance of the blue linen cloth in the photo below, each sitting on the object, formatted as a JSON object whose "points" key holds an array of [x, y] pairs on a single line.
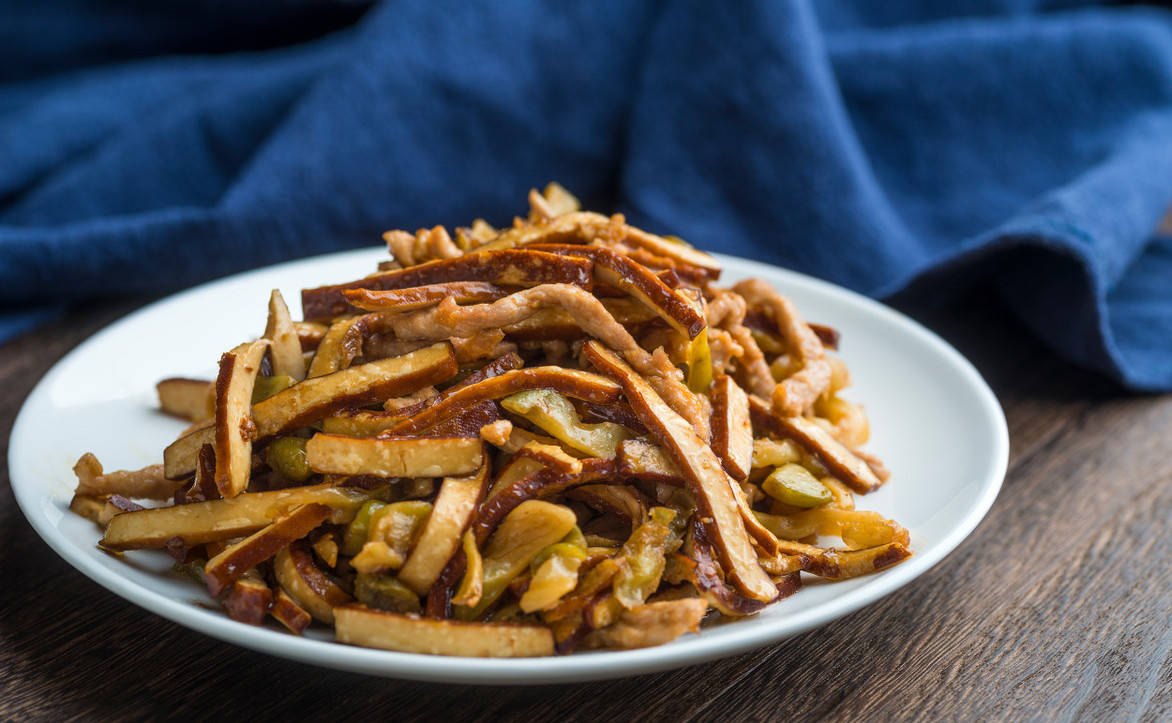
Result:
{"points": [[896, 146]]}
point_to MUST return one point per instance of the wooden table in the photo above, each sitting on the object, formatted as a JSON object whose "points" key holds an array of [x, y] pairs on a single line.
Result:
{"points": [[1059, 605]]}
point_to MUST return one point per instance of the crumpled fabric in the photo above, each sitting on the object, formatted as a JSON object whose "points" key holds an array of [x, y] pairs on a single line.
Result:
{"points": [[899, 147]]}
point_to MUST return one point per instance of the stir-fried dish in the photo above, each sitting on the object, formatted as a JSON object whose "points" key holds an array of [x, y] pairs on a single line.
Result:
{"points": [[559, 435]]}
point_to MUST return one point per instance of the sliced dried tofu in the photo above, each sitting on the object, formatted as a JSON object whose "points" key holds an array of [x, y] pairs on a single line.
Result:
{"points": [[333, 353], [841, 461], [286, 349], [287, 612], [363, 626], [235, 428], [215, 520], [357, 386], [705, 476], [571, 382], [421, 297], [181, 457], [236, 559], [314, 399], [515, 267], [309, 587], [394, 456], [192, 399], [453, 510], [732, 432]]}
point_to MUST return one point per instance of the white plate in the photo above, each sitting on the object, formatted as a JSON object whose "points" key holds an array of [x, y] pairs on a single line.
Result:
{"points": [[934, 422]]}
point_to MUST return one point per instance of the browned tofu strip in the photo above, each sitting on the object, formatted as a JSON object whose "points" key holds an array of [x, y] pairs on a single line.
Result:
{"points": [[311, 400], [732, 433], [571, 382], [235, 428], [440, 538], [363, 626], [216, 520], [706, 479], [828, 335], [336, 349], [542, 482], [840, 565], [514, 267], [309, 587], [701, 569], [248, 599], [180, 457], [286, 349], [842, 463], [314, 399], [289, 613], [677, 252], [227, 567], [394, 456], [367, 423], [310, 333], [360, 422], [192, 399], [640, 282], [421, 297]]}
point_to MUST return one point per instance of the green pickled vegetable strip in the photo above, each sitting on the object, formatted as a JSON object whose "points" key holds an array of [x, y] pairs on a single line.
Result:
{"points": [[795, 485], [774, 453], [359, 528], [385, 592], [398, 525], [645, 556], [497, 577], [554, 576], [266, 387], [555, 414], [524, 533], [576, 538], [563, 549]]}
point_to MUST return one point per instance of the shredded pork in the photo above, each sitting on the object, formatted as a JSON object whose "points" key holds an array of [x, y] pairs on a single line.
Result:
{"points": [[651, 624], [146, 483], [448, 319], [796, 393], [424, 245]]}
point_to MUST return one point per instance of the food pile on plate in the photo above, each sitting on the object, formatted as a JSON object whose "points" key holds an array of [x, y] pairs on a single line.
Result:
{"points": [[562, 434]]}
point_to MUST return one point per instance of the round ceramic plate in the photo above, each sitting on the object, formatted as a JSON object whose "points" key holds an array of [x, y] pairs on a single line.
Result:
{"points": [[934, 422]]}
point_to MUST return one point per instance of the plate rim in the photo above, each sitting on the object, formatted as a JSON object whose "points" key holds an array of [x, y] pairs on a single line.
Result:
{"points": [[520, 671]]}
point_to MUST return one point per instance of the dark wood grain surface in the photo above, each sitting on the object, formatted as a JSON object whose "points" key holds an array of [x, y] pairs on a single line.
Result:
{"points": [[1059, 605]]}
